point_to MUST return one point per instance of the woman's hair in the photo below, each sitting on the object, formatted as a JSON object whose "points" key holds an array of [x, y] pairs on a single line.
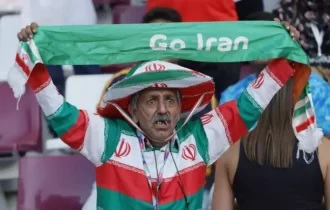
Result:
{"points": [[323, 72], [272, 141]]}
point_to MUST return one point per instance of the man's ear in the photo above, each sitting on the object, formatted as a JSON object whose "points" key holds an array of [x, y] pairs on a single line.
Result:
{"points": [[132, 113]]}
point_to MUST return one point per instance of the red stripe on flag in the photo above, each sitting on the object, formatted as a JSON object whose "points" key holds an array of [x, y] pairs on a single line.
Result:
{"points": [[232, 121], [76, 135], [304, 125], [132, 182], [39, 78], [22, 64], [280, 71]]}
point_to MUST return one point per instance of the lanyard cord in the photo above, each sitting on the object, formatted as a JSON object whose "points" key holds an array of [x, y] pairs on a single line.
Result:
{"points": [[157, 188], [180, 181]]}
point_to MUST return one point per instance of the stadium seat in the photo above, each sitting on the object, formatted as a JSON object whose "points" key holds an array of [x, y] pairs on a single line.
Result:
{"points": [[20, 130], [128, 14], [54, 182]]}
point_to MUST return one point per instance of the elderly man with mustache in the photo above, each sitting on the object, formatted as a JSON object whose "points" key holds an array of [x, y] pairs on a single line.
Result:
{"points": [[147, 152]]}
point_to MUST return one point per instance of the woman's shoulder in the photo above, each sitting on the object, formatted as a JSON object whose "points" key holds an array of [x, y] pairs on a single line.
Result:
{"points": [[324, 154]]}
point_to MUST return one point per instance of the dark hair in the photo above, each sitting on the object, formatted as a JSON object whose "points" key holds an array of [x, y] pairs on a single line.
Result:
{"points": [[162, 13], [273, 140], [260, 16]]}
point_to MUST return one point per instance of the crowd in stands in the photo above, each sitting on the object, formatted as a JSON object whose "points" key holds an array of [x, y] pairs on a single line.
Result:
{"points": [[24, 153]]}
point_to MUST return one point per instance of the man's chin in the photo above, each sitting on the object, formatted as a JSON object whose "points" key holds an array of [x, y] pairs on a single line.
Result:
{"points": [[161, 135]]}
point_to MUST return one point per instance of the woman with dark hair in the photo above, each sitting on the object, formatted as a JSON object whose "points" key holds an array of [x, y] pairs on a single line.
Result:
{"points": [[267, 169]]}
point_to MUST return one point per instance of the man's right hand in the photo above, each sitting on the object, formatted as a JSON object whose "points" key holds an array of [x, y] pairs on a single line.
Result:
{"points": [[27, 33]]}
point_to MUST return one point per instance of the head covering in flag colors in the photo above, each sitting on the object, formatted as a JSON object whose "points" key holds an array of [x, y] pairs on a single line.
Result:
{"points": [[158, 74]]}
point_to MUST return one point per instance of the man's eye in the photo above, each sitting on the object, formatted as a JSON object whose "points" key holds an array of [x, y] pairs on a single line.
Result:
{"points": [[170, 101], [151, 102]]}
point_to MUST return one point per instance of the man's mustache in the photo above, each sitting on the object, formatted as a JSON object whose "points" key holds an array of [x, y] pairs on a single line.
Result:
{"points": [[162, 117]]}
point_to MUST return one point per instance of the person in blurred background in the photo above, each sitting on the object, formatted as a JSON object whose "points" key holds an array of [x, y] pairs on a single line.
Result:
{"points": [[266, 169], [312, 19]]}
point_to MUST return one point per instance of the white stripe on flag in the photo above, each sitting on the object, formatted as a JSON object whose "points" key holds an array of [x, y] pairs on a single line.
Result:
{"points": [[28, 62], [264, 90], [217, 139], [49, 99]]}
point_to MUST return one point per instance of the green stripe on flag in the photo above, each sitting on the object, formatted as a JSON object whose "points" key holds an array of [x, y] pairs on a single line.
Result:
{"points": [[249, 109], [302, 109], [63, 119], [28, 50], [112, 134]]}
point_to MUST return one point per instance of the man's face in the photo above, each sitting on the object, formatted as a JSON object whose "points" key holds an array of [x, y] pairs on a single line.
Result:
{"points": [[157, 112]]}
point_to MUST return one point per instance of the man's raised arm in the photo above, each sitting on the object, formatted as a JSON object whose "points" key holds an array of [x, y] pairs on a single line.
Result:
{"points": [[82, 131], [230, 121]]}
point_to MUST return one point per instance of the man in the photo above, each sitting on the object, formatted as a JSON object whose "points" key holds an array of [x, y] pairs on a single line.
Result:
{"points": [[156, 15], [145, 155]]}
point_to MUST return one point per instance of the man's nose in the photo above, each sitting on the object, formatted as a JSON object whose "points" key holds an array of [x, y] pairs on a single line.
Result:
{"points": [[162, 107]]}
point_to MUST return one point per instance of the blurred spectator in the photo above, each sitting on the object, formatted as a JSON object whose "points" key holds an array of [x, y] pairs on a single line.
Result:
{"points": [[312, 19], [245, 8], [199, 11]]}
